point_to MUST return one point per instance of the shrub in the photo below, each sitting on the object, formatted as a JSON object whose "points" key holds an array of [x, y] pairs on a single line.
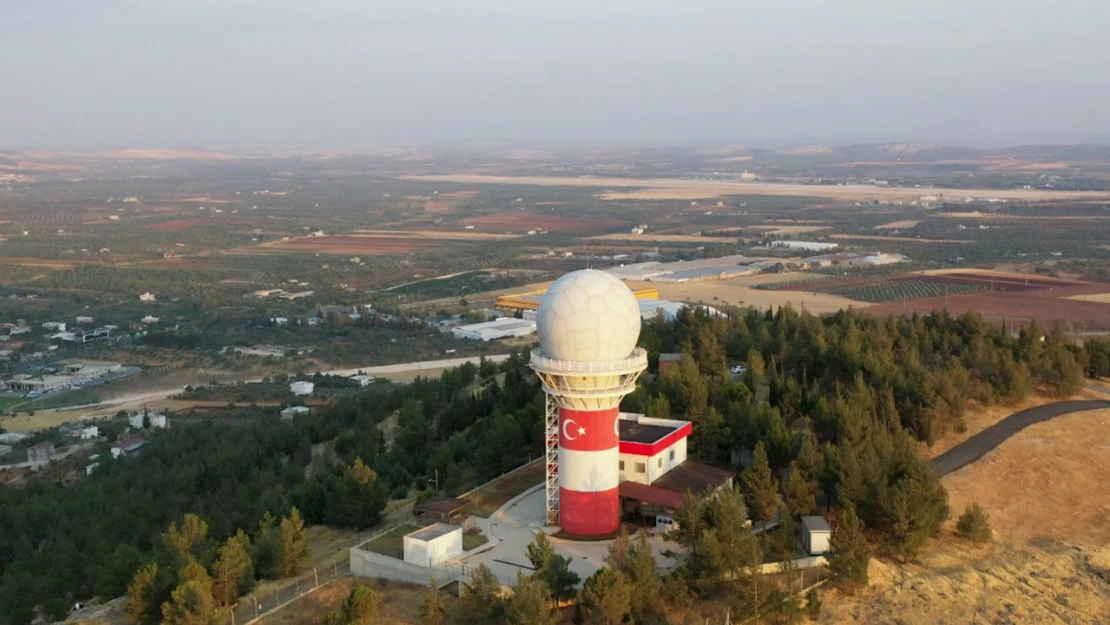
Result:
{"points": [[975, 524]]}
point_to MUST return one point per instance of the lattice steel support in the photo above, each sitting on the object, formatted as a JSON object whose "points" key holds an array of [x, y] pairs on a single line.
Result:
{"points": [[551, 433]]}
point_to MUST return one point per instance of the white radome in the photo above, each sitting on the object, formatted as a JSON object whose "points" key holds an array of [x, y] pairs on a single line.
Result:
{"points": [[588, 316]]}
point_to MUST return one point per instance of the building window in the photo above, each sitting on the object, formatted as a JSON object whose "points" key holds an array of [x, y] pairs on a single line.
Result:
{"points": [[672, 454], [640, 467], [659, 462], [622, 465]]}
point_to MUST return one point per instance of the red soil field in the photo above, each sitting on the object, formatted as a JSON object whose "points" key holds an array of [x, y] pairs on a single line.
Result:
{"points": [[181, 224], [1047, 306], [1004, 283], [529, 221], [355, 245]]}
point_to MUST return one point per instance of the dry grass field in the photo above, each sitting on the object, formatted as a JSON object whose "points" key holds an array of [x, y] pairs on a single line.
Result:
{"points": [[1046, 481], [897, 225], [879, 237], [400, 603], [678, 189], [739, 291], [446, 235], [661, 238], [1102, 298]]}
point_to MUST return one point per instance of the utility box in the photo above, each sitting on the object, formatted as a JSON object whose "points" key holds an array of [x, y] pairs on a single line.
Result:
{"points": [[816, 535], [433, 545]]}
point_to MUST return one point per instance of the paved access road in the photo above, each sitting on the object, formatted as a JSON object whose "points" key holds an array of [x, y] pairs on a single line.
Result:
{"points": [[977, 446]]}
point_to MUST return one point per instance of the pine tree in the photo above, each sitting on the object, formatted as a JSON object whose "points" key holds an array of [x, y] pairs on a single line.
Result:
{"points": [[619, 554], [645, 585], [433, 610], [233, 569], [799, 494], [187, 541], [294, 544], [361, 606], [605, 598], [913, 508], [530, 603], [190, 604], [760, 486], [690, 519], [552, 569], [481, 602], [363, 497], [140, 605], [850, 554]]}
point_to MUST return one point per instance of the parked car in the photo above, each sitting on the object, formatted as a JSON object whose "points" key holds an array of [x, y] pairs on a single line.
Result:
{"points": [[738, 369]]}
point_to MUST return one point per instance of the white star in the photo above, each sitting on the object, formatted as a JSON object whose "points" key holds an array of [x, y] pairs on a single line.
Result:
{"points": [[581, 431]]}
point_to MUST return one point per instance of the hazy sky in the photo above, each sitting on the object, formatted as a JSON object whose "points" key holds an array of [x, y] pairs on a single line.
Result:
{"points": [[362, 73]]}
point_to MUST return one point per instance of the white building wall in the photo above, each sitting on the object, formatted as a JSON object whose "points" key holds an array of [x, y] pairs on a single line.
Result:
{"points": [[433, 552], [655, 466]]}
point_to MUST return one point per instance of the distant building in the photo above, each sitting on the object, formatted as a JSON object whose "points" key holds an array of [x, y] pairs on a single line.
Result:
{"points": [[42, 452], [158, 421], [666, 361], [82, 319], [149, 319], [57, 326], [147, 297], [292, 411], [808, 246], [496, 329], [128, 446], [363, 380], [279, 321], [302, 388]]}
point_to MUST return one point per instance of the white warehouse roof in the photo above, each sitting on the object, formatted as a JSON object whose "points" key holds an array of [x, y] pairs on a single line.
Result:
{"points": [[497, 329]]}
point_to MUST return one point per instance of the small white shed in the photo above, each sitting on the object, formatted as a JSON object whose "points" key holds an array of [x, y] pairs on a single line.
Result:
{"points": [[433, 545], [816, 534]]}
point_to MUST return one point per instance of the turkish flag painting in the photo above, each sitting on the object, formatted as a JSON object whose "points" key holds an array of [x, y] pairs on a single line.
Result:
{"points": [[580, 430]]}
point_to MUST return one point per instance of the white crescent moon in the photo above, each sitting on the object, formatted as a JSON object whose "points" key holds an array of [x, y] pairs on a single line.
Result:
{"points": [[565, 434], [617, 427]]}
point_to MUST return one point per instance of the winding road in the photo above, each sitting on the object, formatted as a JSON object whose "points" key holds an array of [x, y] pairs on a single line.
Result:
{"points": [[977, 446]]}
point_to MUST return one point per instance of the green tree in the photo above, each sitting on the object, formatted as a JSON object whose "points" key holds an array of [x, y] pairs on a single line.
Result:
{"points": [[189, 540], [267, 548], [141, 603], [799, 494], [233, 569], [913, 508], [619, 555], [190, 604], [975, 524], [294, 544], [850, 554], [433, 609], [646, 596], [760, 486], [363, 497], [530, 603], [690, 520], [813, 604], [481, 601], [551, 568], [728, 547], [605, 597], [359, 608], [117, 571]]}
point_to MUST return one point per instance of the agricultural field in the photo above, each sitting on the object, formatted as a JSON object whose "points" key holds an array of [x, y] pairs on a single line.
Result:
{"points": [[902, 290]]}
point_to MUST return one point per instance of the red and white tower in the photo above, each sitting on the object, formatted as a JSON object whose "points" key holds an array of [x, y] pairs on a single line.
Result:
{"points": [[588, 361]]}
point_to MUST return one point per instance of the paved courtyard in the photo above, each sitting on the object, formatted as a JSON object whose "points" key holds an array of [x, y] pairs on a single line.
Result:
{"points": [[514, 526]]}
